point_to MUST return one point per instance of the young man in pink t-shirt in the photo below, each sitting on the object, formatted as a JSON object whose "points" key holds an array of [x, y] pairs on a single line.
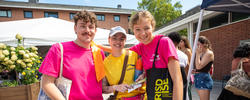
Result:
{"points": [[78, 63]]}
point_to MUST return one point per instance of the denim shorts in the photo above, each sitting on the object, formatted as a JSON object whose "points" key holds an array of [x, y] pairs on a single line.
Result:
{"points": [[203, 81]]}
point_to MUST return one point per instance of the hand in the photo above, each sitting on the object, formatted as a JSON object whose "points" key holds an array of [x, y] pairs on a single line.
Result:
{"points": [[198, 50], [121, 87], [194, 71], [142, 76]]}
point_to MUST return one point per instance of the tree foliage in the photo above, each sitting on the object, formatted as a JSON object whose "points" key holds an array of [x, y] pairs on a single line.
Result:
{"points": [[183, 32], [162, 10]]}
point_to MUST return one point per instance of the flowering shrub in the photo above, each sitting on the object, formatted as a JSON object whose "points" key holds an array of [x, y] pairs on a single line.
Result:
{"points": [[23, 62]]}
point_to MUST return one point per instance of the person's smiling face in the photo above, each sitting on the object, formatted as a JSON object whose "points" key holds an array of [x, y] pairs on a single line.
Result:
{"points": [[143, 31], [117, 42], [85, 31]]}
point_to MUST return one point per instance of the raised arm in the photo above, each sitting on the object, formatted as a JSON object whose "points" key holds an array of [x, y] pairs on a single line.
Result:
{"points": [[209, 56]]}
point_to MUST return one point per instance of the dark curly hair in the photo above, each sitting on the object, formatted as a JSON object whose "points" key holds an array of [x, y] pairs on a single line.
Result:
{"points": [[242, 50], [86, 16], [175, 37]]}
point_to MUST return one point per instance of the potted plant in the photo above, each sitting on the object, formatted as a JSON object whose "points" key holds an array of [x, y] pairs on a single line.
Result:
{"points": [[19, 71]]}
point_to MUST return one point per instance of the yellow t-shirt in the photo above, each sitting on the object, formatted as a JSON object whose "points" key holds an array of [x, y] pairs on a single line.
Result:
{"points": [[113, 68]]}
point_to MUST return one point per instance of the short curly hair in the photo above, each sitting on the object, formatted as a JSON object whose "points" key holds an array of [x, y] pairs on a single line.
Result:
{"points": [[86, 16], [242, 50]]}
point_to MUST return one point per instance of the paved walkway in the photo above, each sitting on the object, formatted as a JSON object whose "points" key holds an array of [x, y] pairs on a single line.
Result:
{"points": [[217, 88]]}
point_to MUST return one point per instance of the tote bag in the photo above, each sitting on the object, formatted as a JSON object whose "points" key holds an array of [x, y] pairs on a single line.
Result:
{"points": [[159, 84], [239, 83], [63, 84]]}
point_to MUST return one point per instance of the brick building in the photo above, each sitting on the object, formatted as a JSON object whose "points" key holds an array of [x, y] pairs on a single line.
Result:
{"points": [[225, 30], [107, 17]]}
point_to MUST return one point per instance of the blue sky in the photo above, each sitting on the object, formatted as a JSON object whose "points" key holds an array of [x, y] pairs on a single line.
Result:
{"points": [[130, 4]]}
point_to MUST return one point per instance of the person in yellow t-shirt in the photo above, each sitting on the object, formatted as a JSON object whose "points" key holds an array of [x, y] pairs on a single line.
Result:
{"points": [[114, 65]]}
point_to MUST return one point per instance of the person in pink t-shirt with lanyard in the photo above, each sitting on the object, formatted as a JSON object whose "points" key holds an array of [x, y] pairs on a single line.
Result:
{"points": [[78, 63]]}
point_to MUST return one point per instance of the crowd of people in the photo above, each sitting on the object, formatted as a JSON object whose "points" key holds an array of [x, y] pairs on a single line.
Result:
{"points": [[93, 74]]}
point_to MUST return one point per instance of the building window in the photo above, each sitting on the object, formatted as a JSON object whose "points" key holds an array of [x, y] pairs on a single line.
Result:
{"points": [[128, 18], [218, 20], [116, 18], [28, 14], [5, 13], [100, 17], [215, 21], [71, 16], [239, 16], [51, 14]]}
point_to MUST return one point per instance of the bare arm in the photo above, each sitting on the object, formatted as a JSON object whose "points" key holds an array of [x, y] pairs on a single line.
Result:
{"points": [[49, 87], [209, 56], [189, 54], [109, 89], [105, 48], [105, 86], [186, 69], [175, 72]]}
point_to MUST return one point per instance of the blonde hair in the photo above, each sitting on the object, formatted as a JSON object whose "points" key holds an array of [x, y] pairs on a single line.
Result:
{"points": [[141, 15]]}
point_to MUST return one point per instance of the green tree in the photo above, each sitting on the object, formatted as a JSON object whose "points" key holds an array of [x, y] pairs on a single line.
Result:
{"points": [[162, 10], [183, 32]]}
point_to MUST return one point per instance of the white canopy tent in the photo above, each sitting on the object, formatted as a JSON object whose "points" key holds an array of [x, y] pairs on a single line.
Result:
{"points": [[47, 31]]}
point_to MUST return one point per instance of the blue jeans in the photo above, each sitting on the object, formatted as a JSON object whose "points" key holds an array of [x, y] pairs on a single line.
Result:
{"points": [[203, 81]]}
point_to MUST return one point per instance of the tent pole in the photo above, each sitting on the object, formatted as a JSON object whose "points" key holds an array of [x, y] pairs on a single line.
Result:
{"points": [[194, 49]]}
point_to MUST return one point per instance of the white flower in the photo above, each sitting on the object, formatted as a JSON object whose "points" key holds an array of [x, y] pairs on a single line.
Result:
{"points": [[34, 48], [26, 56], [36, 56], [29, 65], [6, 52], [12, 48], [10, 62], [12, 66], [2, 57], [32, 54], [2, 46], [13, 53], [33, 59], [27, 51], [19, 37], [21, 52], [20, 47], [5, 59], [13, 58], [23, 64], [27, 60], [19, 61]]}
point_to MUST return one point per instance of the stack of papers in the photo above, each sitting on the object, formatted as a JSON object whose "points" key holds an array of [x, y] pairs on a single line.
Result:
{"points": [[136, 85]]}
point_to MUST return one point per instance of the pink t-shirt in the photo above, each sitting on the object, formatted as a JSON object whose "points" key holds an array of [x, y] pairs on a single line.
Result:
{"points": [[78, 66], [166, 49]]}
